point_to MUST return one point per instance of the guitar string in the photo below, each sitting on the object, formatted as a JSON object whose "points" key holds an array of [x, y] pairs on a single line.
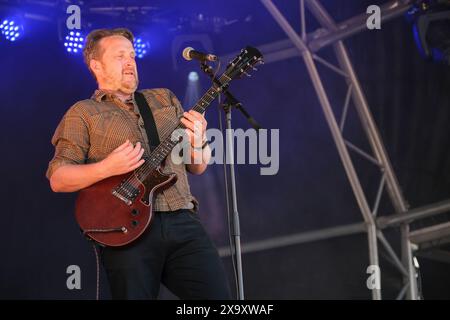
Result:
{"points": [[157, 155], [155, 158], [133, 181]]}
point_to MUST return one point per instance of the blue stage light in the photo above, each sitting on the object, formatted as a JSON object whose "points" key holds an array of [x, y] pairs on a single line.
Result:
{"points": [[193, 76], [74, 42], [11, 29], [141, 47], [431, 29]]}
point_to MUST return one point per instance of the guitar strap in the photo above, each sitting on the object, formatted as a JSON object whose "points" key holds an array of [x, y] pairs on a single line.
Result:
{"points": [[149, 120]]}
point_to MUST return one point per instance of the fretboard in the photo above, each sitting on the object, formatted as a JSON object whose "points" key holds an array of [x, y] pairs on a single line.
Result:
{"points": [[165, 147]]}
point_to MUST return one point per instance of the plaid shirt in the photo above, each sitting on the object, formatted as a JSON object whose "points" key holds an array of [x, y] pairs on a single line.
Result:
{"points": [[91, 129]]}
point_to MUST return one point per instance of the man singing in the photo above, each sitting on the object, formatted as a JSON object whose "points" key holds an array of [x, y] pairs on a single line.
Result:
{"points": [[105, 136]]}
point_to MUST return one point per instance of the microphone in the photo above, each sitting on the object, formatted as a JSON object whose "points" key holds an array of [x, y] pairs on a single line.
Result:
{"points": [[189, 54]]}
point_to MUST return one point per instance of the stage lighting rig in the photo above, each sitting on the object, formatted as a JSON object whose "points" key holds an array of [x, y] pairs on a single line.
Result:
{"points": [[431, 27]]}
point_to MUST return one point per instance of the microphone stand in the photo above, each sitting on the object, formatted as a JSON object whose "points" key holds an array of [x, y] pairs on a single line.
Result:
{"points": [[229, 103]]}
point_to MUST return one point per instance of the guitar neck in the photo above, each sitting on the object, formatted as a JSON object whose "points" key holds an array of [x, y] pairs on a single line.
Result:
{"points": [[165, 147]]}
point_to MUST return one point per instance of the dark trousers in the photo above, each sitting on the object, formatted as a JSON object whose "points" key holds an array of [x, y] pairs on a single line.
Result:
{"points": [[174, 250]]}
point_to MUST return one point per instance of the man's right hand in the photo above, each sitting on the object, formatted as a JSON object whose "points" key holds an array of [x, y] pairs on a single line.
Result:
{"points": [[124, 159], [74, 177]]}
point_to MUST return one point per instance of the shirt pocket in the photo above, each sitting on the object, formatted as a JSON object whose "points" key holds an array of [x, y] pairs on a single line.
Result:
{"points": [[111, 129], [166, 120]]}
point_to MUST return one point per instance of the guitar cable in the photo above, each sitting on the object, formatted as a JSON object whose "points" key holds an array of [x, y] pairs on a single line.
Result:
{"points": [[97, 262], [97, 295]]}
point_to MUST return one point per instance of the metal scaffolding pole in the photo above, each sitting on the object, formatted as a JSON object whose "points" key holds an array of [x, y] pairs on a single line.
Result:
{"points": [[414, 214], [299, 238]]}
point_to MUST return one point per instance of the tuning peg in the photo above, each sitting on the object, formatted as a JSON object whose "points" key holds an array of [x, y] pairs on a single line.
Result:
{"points": [[243, 71], [249, 65]]}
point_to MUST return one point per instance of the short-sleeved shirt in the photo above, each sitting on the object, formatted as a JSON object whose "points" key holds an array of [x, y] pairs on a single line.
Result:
{"points": [[91, 129]]}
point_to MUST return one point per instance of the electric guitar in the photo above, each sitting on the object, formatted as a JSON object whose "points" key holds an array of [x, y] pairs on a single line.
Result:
{"points": [[117, 210]]}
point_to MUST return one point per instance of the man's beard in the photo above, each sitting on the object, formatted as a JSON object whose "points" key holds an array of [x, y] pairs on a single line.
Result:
{"points": [[126, 86], [130, 86]]}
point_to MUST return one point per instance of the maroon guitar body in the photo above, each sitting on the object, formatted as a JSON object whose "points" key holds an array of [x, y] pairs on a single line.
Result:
{"points": [[109, 218], [117, 210]]}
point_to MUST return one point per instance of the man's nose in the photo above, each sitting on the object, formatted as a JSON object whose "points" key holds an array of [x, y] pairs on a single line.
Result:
{"points": [[129, 62]]}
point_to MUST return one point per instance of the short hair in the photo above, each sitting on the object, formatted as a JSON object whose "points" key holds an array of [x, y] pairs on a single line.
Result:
{"points": [[91, 48]]}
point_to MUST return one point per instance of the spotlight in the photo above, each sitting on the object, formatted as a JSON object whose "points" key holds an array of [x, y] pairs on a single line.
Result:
{"points": [[193, 76], [73, 42], [141, 47], [11, 29], [193, 89], [431, 27]]}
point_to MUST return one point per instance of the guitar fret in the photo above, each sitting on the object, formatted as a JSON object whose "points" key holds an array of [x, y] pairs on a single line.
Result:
{"points": [[153, 163], [198, 109]]}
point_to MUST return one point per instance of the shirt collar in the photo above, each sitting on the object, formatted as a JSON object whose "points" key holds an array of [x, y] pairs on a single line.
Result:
{"points": [[104, 95], [101, 94]]}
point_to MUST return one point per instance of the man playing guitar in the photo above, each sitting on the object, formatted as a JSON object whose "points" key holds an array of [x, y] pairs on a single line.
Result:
{"points": [[105, 136]]}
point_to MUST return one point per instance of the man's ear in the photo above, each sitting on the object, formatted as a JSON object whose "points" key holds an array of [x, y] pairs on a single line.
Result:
{"points": [[96, 66]]}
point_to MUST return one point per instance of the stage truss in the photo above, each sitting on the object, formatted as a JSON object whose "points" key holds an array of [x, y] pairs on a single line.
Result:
{"points": [[306, 46]]}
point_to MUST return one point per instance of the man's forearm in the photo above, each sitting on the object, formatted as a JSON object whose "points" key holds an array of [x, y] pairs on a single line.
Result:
{"points": [[199, 168], [73, 177]]}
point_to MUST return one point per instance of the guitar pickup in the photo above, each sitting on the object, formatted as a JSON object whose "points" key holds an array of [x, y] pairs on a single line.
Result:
{"points": [[121, 197]]}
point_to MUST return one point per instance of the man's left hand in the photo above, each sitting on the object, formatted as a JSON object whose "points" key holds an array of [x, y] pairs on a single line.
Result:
{"points": [[195, 124]]}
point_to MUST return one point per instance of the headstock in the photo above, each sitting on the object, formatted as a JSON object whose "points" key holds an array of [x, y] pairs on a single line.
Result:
{"points": [[246, 60]]}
